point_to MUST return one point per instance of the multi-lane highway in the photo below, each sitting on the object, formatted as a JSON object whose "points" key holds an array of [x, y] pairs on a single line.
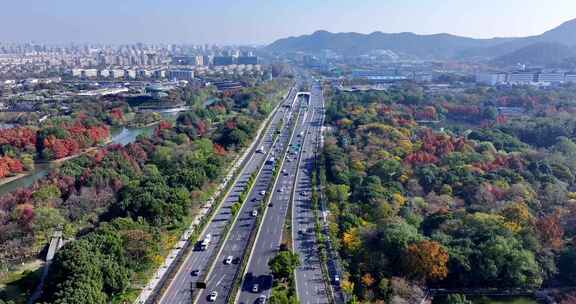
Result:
{"points": [[257, 280], [228, 262], [196, 265], [310, 283], [292, 186]]}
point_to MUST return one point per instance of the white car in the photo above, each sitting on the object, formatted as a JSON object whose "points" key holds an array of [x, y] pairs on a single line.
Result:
{"points": [[262, 299], [280, 190], [263, 192], [255, 288], [228, 260], [213, 295], [254, 213]]}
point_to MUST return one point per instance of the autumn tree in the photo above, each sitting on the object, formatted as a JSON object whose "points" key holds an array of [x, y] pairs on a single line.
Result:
{"points": [[426, 260]]}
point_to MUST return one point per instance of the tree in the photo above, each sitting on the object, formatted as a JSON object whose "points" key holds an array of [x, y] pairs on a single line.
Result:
{"points": [[567, 265], [283, 264], [426, 260], [456, 299], [550, 231], [281, 297], [45, 220]]}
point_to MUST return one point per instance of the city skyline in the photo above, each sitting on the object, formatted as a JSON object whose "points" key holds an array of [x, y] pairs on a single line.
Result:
{"points": [[262, 22]]}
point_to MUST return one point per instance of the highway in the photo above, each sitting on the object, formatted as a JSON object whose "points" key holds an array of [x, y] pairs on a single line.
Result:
{"points": [[270, 236], [221, 278], [310, 285], [181, 287]]}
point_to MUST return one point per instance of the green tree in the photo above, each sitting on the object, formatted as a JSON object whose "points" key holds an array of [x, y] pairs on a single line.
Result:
{"points": [[283, 264]]}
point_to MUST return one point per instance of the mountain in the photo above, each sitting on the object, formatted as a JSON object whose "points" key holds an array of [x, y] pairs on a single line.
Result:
{"points": [[438, 46], [540, 53], [423, 46], [565, 34]]}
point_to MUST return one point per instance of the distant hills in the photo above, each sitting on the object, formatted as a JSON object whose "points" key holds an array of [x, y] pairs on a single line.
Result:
{"points": [[543, 48], [539, 53]]}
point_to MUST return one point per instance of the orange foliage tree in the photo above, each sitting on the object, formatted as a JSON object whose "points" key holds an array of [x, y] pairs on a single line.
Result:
{"points": [[426, 260]]}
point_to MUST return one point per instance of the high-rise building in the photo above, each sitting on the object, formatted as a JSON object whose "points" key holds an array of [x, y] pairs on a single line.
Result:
{"points": [[248, 60], [223, 60]]}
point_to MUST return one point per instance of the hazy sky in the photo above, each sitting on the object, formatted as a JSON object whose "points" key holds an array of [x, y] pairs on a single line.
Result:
{"points": [[262, 21]]}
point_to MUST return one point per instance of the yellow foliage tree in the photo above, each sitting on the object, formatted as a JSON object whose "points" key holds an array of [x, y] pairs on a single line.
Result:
{"points": [[350, 239], [398, 199], [367, 280], [517, 216], [426, 260]]}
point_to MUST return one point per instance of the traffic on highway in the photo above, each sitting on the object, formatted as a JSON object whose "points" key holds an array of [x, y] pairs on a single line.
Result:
{"points": [[197, 263]]}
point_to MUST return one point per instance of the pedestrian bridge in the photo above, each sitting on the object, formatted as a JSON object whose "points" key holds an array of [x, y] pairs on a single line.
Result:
{"points": [[56, 243]]}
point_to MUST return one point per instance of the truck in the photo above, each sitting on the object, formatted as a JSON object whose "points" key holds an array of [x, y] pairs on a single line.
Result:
{"points": [[205, 242]]}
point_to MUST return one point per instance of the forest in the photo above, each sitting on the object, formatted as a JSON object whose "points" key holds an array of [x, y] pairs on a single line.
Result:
{"points": [[123, 207], [485, 203]]}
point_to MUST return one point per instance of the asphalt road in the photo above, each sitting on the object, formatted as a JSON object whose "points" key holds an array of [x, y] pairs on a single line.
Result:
{"points": [[182, 286], [310, 285], [270, 235], [221, 278]]}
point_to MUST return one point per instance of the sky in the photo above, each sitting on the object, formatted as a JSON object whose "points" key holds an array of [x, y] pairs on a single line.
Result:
{"points": [[263, 21]]}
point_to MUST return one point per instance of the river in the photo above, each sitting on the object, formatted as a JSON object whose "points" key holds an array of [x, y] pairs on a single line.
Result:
{"points": [[121, 136]]}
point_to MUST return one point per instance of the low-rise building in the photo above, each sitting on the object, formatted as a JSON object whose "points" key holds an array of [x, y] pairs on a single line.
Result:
{"points": [[551, 77], [521, 78], [491, 78], [180, 74]]}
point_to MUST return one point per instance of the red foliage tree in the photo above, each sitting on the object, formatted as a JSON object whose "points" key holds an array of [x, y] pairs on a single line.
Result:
{"points": [[551, 231], [219, 150]]}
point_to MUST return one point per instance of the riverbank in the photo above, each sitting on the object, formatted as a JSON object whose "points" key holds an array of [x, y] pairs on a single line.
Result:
{"points": [[10, 179]]}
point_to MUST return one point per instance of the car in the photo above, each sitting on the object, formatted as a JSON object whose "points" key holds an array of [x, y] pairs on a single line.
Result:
{"points": [[255, 288], [303, 193], [284, 171], [254, 213], [213, 295], [195, 272], [281, 190], [262, 299], [336, 279], [263, 192], [228, 260], [270, 204]]}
